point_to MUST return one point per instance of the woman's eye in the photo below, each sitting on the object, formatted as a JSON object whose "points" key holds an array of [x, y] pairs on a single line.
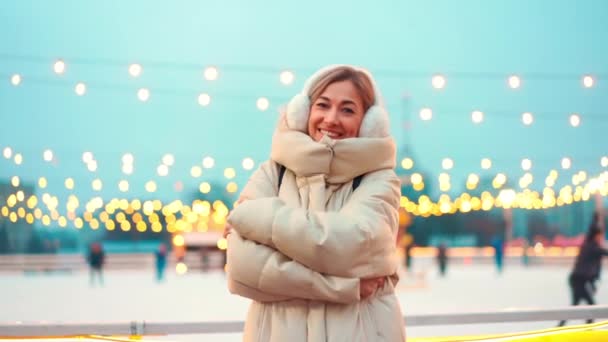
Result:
{"points": [[349, 110], [322, 105]]}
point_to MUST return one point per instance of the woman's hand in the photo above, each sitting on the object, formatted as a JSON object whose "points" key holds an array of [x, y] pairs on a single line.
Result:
{"points": [[367, 287], [227, 226]]}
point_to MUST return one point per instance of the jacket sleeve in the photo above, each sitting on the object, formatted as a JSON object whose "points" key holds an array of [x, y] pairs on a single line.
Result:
{"points": [[358, 241], [263, 274]]}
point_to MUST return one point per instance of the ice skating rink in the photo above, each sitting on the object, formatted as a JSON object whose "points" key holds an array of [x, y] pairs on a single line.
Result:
{"points": [[196, 296]]}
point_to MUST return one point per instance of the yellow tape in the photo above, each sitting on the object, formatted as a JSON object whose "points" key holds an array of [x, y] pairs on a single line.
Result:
{"points": [[568, 333]]}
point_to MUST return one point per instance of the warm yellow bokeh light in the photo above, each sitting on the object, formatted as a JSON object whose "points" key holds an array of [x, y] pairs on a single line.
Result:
{"points": [[229, 173], [196, 171], [222, 244], [123, 186], [232, 187], [416, 178], [18, 159], [96, 184], [69, 183], [15, 181], [566, 163], [181, 268], [526, 164], [407, 163], [150, 187], [486, 163], [178, 240]]}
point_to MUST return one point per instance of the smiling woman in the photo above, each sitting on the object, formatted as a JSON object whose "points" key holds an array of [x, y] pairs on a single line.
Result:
{"points": [[312, 241]]}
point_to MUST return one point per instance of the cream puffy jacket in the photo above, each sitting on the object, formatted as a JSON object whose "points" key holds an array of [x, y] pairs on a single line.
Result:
{"points": [[300, 251]]}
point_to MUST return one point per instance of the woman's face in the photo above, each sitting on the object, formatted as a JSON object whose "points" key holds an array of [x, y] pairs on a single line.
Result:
{"points": [[337, 112]]}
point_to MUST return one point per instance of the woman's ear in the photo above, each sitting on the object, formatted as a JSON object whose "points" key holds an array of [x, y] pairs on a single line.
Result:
{"points": [[375, 123]]}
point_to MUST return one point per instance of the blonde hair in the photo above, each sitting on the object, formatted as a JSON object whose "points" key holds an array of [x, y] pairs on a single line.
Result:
{"points": [[358, 78]]}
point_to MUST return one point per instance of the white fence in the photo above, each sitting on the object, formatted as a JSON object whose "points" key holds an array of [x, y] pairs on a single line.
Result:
{"points": [[142, 328]]}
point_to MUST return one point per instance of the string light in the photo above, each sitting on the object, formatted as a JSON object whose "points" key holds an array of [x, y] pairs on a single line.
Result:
{"points": [[248, 163], [208, 162], [196, 171], [486, 163], [407, 163], [526, 164], [168, 159], [59, 67], [143, 94], [575, 120], [92, 165], [438, 81], [204, 99], [286, 77], [47, 155], [527, 118], [18, 159], [514, 82], [16, 80], [80, 88], [262, 103], [477, 116], [566, 163], [87, 157], [426, 114], [588, 81], [135, 69], [150, 186], [162, 170], [7, 153], [447, 163], [211, 73], [229, 173]]}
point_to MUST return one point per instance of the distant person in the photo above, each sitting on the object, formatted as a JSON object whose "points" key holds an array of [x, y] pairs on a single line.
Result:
{"points": [[525, 258], [161, 262], [96, 259], [587, 267], [498, 243], [442, 259]]}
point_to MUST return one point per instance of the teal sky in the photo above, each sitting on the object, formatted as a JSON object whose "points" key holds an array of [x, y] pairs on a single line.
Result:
{"points": [[475, 44]]}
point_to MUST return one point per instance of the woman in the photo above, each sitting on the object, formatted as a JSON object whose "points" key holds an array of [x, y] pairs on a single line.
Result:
{"points": [[587, 266], [312, 241]]}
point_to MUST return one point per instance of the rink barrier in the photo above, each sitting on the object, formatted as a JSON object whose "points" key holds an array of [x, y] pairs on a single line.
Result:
{"points": [[143, 328]]}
